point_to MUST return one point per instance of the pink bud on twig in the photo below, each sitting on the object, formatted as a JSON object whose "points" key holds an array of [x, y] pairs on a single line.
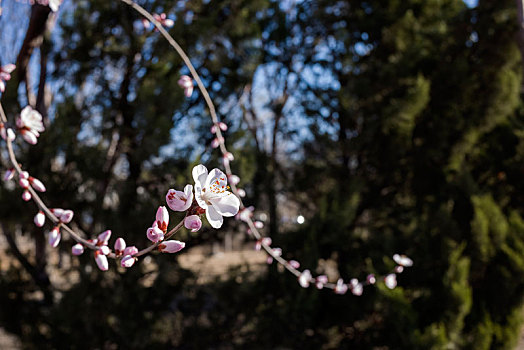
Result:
{"points": [[193, 223], [127, 261], [66, 216], [37, 184], [131, 250], [54, 237], [77, 249], [103, 238], [162, 218], [341, 288], [171, 246], [304, 278], [39, 219], [120, 245], [101, 261], [26, 196]]}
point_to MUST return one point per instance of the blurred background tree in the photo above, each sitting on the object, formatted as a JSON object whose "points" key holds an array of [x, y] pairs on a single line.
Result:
{"points": [[389, 128]]}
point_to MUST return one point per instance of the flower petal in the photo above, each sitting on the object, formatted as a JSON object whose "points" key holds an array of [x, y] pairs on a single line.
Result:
{"points": [[188, 191], [227, 205], [200, 175], [214, 218], [216, 177]]}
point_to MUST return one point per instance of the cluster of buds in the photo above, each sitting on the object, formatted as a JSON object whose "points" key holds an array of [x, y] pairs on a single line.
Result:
{"points": [[159, 228], [163, 20], [305, 277], [160, 18], [25, 181], [64, 216], [103, 250]]}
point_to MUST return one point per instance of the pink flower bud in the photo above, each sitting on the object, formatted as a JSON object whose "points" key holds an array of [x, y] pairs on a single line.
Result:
{"points": [[39, 219], [215, 143], [391, 280], [120, 245], [320, 281], [101, 261], [104, 250], [186, 83], [24, 175], [77, 249], [9, 174], [277, 251], [259, 224], [145, 23], [245, 214], [399, 269], [154, 234], [229, 156], [103, 238], [294, 264], [233, 179], [24, 183], [57, 212], [26, 196], [54, 237], [222, 126], [213, 129], [341, 288], [8, 68], [162, 218], [371, 279], [193, 223], [66, 216], [127, 261], [357, 289], [402, 260], [171, 246], [132, 250], [304, 278], [241, 192], [37, 184], [264, 241]]}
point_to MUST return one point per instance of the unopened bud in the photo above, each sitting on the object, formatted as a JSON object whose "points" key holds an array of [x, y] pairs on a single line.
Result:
{"points": [[101, 261], [26, 196], [37, 184], [66, 216], [127, 261], [103, 238], [54, 237], [120, 245], [172, 246], [132, 250], [39, 219], [104, 250], [77, 249]]}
